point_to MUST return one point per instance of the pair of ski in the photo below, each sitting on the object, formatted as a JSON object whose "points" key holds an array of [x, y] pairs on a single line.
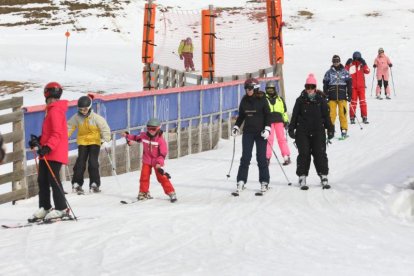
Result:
{"points": [[306, 187], [259, 193], [36, 222], [142, 200]]}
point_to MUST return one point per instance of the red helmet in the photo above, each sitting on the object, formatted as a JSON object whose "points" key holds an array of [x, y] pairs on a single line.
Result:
{"points": [[252, 83], [53, 90]]}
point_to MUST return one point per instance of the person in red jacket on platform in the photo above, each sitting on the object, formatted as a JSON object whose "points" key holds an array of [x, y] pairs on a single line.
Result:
{"points": [[52, 148], [357, 68]]}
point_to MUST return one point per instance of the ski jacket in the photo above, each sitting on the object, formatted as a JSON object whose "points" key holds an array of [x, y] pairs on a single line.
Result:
{"points": [[357, 71], [277, 108], [55, 132], [154, 148], [382, 62], [310, 116], [185, 47], [254, 112], [337, 84], [92, 129]]}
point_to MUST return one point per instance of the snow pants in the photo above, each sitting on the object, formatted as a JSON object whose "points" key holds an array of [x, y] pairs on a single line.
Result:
{"points": [[45, 180], [311, 145], [188, 61], [358, 93], [279, 130], [144, 180], [379, 86], [88, 153], [248, 140], [340, 106]]}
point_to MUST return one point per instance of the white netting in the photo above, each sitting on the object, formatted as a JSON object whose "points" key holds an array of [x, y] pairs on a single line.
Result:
{"points": [[241, 44]]}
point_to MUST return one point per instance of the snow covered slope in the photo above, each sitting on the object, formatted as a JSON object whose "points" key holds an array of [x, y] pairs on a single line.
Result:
{"points": [[364, 225]]}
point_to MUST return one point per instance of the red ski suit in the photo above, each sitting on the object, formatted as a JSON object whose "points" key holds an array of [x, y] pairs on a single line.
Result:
{"points": [[357, 72], [55, 132], [154, 152]]}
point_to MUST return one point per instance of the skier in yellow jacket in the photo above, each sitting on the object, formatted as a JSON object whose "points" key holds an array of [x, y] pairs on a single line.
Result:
{"points": [[93, 130], [185, 50]]}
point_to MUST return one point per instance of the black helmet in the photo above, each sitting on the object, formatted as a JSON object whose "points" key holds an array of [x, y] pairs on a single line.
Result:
{"points": [[52, 90], [356, 55], [270, 87], [252, 83], [85, 102]]}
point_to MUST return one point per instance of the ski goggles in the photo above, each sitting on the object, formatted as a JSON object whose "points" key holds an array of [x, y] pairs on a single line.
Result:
{"points": [[310, 86], [252, 86], [152, 128]]}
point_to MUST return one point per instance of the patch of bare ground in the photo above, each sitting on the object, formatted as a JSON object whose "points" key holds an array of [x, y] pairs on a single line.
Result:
{"points": [[12, 87]]}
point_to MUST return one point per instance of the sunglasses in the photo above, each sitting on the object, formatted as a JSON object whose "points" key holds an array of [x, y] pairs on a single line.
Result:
{"points": [[151, 128], [310, 86]]}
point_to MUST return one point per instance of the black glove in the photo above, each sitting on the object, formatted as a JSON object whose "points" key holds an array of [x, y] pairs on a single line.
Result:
{"points": [[390, 65], [362, 61], [331, 135], [349, 61], [161, 171], [348, 99], [42, 151], [375, 66], [34, 141], [291, 133]]}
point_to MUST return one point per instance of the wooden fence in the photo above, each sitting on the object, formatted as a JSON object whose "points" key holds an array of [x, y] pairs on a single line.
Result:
{"points": [[17, 156]]}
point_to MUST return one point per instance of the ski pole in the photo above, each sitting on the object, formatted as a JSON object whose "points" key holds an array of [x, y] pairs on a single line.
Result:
{"points": [[35, 158], [113, 170], [280, 165], [350, 105], [59, 186], [392, 79], [232, 158], [372, 83]]}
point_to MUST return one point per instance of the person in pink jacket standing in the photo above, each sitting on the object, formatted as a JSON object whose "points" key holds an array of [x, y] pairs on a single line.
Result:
{"points": [[382, 63], [153, 156]]}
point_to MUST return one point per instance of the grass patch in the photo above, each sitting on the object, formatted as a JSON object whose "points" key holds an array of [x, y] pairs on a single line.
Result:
{"points": [[12, 87]]}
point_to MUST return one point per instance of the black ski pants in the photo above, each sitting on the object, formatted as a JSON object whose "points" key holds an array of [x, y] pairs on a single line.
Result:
{"points": [[45, 180], [248, 140], [311, 144], [88, 153]]}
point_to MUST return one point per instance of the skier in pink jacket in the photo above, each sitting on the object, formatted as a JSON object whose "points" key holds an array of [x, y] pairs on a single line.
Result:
{"points": [[153, 155], [382, 63]]}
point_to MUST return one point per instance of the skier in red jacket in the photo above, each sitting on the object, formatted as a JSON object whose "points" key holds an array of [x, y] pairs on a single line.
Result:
{"points": [[52, 148], [357, 68]]}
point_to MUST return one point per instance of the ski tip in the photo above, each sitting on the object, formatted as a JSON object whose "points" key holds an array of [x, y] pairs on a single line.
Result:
{"points": [[258, 194], [304, 188], [123, 202], [235, 194], [290, 183]]}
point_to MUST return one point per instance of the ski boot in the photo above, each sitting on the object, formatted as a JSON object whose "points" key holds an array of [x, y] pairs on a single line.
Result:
{"points": [[173, 197], [94, 188], [352, 121], [286, 161], [240, 187], [76, 188], [144, 196], [324, 181], [344, 134], [388, 97], [264, 186], [57, 215], [379, 97], [365, 120], [302, 182], [39, 215]]}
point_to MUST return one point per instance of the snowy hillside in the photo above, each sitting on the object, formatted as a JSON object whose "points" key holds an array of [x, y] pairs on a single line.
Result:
{"points": [[364, 225]]}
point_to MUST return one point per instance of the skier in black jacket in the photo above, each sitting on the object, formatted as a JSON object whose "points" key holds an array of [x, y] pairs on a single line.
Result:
{"points": [[310, 118], [255, 113]]}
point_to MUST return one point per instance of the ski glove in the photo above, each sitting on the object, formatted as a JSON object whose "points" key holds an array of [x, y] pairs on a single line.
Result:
{"points": [[235, 131], [375, 66], [44, 150], [349, 61], [34, 141], [331, 135], [266, 133], [390, 65], [291, 133], [362, 61], [161, 171], [181, 57]]}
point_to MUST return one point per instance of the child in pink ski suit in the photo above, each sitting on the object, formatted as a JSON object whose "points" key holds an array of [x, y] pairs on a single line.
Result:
{"points": [[153, 156], [279, 120], [382, 63]]}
